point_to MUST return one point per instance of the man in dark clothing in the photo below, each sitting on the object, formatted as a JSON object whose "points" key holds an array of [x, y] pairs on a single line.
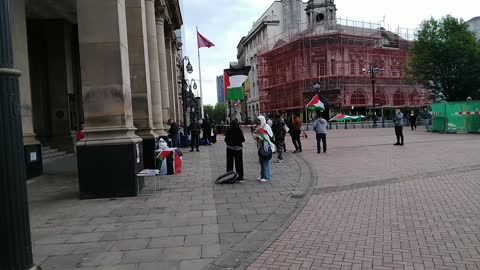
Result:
{"points": [[278, 128], [234, 139], [173, 132], [207, 131], [195, 134], [399, 126], [413, 120]]}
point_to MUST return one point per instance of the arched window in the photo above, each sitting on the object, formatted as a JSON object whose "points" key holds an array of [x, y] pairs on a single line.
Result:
{"points": [[380, 98], [359, 97], [414, 98], [320, 17], [399, 98]]}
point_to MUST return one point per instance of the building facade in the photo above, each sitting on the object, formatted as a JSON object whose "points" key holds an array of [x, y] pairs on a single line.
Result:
{"points": [[474, 26], [220, 89], [337, 54], [109, 66], [282, 18]]}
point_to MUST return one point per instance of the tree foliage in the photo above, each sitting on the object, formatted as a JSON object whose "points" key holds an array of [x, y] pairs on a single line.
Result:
{"points": [[217, 112], [445, 58]]}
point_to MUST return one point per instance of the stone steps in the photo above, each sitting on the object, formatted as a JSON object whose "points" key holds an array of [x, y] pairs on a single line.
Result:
{"points": [[50, 154]]}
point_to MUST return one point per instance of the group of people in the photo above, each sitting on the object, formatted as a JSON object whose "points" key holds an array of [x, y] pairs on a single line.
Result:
{"points": [[270, 137], [426, 117], [195, 130]]}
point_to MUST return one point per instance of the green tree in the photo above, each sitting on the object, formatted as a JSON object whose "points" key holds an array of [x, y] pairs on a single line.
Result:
{"points": [[445, 58], [217, 112]]}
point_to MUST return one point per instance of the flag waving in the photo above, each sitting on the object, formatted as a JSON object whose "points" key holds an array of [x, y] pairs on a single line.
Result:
{"points": [[233, 80], [203, 41], [317, 103]]}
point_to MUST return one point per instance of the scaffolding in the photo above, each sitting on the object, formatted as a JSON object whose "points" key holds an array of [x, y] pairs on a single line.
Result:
{"points": [[338, 57]]}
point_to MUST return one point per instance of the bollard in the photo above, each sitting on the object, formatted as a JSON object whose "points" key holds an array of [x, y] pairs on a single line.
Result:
{"points": [[346, 125], [362, 124], [336, 125]]}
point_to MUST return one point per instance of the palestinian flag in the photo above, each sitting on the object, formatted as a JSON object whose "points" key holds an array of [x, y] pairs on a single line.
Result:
{"points": [[316, 104], [263, 134], [233, 80], [169, 162]]}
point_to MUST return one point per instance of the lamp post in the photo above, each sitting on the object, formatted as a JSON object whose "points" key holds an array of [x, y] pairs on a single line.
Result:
{"points": [[372, 69], [193, 101], [15, 237], [184, 88]]}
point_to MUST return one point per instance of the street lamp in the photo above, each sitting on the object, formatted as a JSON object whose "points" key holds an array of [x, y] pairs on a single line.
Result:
{"points": [[372, 69], [184, 88], [194, 97]]}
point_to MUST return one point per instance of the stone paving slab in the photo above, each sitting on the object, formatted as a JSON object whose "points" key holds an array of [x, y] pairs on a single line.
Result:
{"points": [[190, 223]]}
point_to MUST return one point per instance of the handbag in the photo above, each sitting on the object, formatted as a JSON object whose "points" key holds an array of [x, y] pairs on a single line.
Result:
{"points": [[265, 151]]}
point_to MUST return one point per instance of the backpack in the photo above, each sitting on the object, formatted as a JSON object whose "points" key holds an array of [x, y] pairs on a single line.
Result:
{"points": [[227, 178], [265, 151]]}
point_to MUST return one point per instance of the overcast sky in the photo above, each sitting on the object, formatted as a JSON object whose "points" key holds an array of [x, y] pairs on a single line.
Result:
{"points": [[224, 22]]}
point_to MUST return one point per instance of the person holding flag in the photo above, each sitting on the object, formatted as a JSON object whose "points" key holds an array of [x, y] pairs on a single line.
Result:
{"points": [[263, 134]]}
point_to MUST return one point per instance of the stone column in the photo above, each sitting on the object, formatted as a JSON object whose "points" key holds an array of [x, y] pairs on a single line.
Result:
{"points": [[177, 89], [111, 154], [32, 147], [162, 58], [171, 79], [157, 113], [140, 78]]}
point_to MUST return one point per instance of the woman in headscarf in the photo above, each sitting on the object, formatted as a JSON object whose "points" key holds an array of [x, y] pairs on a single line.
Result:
{"points": [[263, 135], [234, 139]]}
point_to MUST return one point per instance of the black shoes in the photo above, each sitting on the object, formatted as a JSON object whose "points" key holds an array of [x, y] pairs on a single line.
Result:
{"points": [[398, 143]]}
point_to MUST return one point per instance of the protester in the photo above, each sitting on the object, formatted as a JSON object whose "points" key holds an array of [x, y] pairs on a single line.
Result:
{"points": [[173, 133], [426, 118], [278, 128], [296, 131], [195, 134], [399, 126], [263, 134], [269, 120], [214, 131], [320, 127], [234, 139], [413, 120], [207, 131]]}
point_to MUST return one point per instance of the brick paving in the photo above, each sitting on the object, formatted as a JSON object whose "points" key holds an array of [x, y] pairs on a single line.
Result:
{"points": [[378, 206], [190, 223]]}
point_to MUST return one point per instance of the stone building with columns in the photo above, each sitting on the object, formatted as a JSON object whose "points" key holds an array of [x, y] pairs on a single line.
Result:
{"points": [[111, 65]]}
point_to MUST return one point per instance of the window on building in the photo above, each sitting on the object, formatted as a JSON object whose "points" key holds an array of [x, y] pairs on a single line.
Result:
{"points": [[333, 66], [361, 66], [352, 67], [322, 68]]}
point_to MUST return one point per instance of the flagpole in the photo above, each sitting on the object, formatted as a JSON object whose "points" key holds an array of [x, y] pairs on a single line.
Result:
{"points": [[200, 75]]}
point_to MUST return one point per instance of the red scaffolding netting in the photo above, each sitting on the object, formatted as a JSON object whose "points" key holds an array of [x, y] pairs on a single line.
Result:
{"points": [[338, 57]]}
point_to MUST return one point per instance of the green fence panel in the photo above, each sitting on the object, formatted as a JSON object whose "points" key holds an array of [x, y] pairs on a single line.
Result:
{"points": [[456, 117]]}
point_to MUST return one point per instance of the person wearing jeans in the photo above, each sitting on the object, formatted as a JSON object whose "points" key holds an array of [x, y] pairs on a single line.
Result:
{"points": [[263, 134], [320, 127]]}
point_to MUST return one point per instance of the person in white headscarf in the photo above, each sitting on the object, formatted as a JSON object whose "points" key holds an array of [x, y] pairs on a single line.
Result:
{"points": [[263, 135]]}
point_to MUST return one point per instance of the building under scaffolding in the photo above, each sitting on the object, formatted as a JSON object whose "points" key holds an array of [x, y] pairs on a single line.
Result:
{"points": [[337, 54]]}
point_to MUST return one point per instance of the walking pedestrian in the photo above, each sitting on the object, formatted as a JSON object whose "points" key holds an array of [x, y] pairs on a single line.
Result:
{"points": [[399, 126], [296, 132], [278, 128], [234, 139], [173, 133], [195, 134], [320, 127], [413, 121], [426, 118], [263, 134]]}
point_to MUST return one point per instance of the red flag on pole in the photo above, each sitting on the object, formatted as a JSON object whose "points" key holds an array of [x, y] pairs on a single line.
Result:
{"points": [[203, 41]]}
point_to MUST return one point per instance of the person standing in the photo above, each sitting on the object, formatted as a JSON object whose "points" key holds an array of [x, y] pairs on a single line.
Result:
{"points": [[234, 140], [173, 132], [413, 120], [296, 132], [399, 126], [278, 128], [426, 118], [195, 134], [207, 131], [263, 134], [320, 127]]}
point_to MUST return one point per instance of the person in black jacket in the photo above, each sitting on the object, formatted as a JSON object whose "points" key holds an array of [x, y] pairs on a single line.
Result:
{"points": [[195, 134], [234, 139]]}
